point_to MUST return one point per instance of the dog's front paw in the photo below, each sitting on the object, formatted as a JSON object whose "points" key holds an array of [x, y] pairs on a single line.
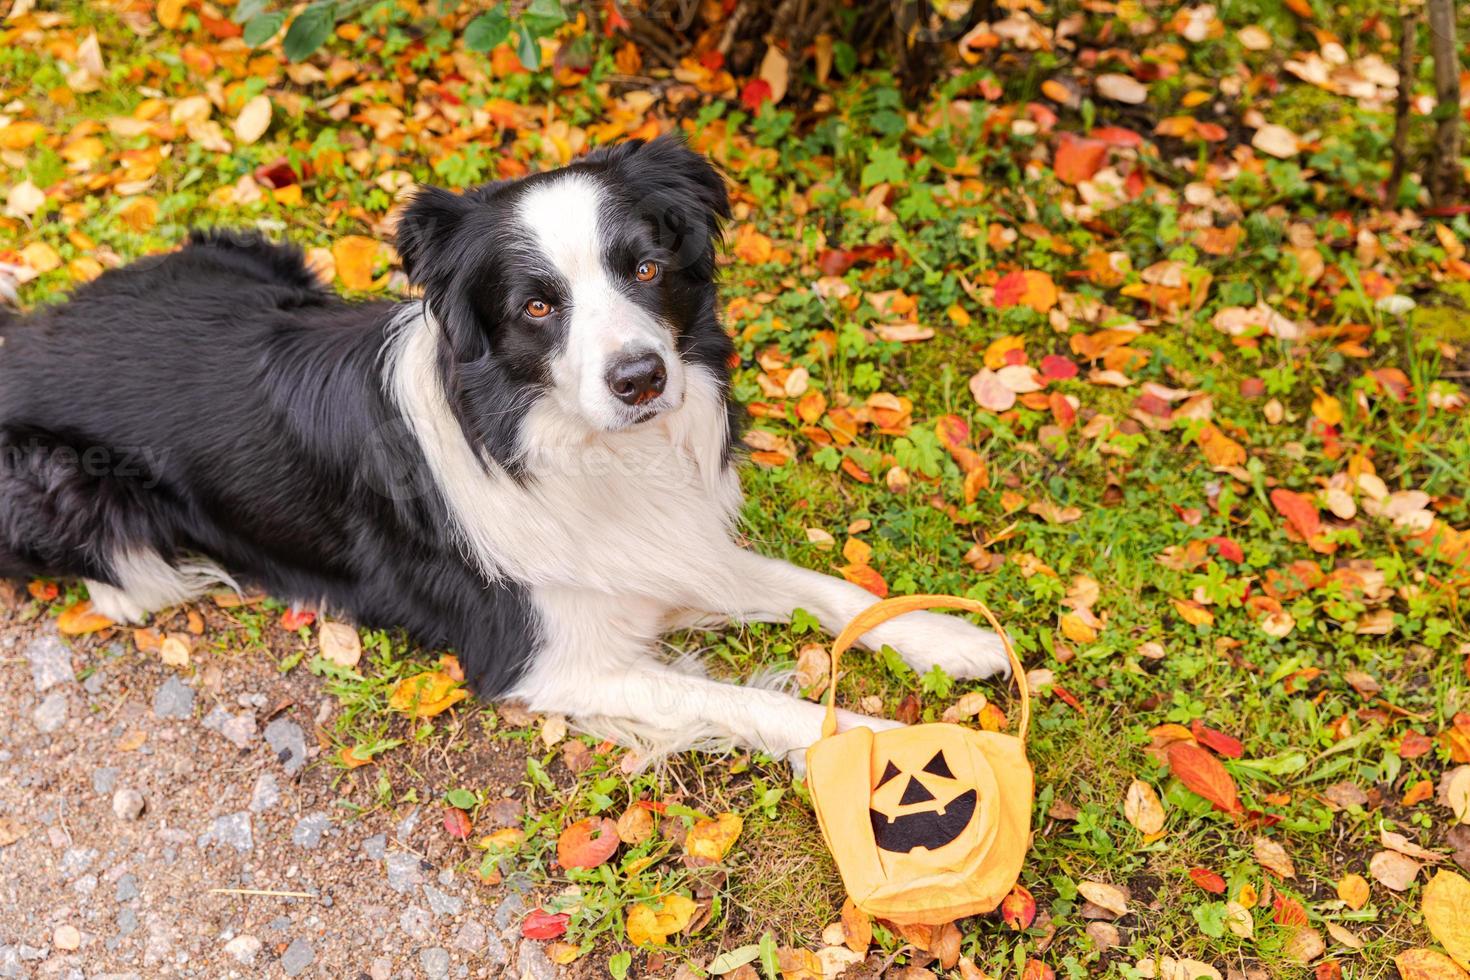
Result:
{"points": [[846, 721], [926, 639]]}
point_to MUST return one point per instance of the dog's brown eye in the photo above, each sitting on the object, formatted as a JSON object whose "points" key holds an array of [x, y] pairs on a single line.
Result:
{"points": [[646, 271], [537, 309]]}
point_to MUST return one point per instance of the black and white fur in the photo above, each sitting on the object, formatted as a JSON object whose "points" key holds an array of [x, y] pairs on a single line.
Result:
{"points": [[454, 465]]}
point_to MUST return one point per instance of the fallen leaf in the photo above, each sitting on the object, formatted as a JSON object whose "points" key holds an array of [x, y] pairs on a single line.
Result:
{"points": [[1446, 907], [355, 256], [426, 695], [1278, 141], [648, 925], [1426, 964], [1354, 891], [587, 843], [1121, 88], [1393, 870], [1273, 857], [711, 840], [1018, 908], [253, 120], [1142, 808], [541, 924], [79, 620], [1208, 880], [340, 644], [1104, 896]]}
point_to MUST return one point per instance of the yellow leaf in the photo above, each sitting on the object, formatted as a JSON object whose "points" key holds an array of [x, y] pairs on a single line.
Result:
{"points": [[857, 551], [340, 644], [79, 619], [647, 925], [712, 839], [355, 257], [1354, 890], [1446, 908], [1074, 629], [998, 353], [563, 953], [254, 119], [1327, 409], [139, 213], [40, 257], [426, 695], [170, 13], [1193, 613], [1142, 808], [1426, 964], [1220, 449]]}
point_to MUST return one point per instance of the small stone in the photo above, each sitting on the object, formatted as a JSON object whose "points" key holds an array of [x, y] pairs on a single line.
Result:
{"points": [[309, 829], [244, 949], [415, 922], [404, 873], [375, 847], [297, 957], [174, 699], [95, 683], [50, 662], [533, 962], [50, 714], [381, 969], [127, 888], [435, 961], [288, 742], [470, 937], [441, 903], [67, 938], [232, 830], [104, 780], [127, 921], [238, 729], [265, 793], [127, 804], [76, 860]]}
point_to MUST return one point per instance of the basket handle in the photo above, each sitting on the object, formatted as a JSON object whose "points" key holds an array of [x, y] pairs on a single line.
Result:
{"points": [[886, 609]]}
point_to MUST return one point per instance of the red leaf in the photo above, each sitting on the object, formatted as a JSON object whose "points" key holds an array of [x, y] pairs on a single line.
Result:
{"points": [[457, 822], [541, 924], [1055, 367], [1077, 160], [1116, 136], [1208, 880], [1289, 912], [836, 261], [756, 91], [1203, 775], [1329, 970], [1414, 744], [276, 175], [1226, 745], [587, 843], [293, 619], [1228, 549], [953, 431], [1068, 698], [1298, 510], [1018, 908], [1009, 289]]}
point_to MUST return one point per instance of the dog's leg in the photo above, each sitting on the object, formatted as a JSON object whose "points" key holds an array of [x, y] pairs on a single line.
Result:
{"points": [[596, 664], [147, 583], [768, 589]]}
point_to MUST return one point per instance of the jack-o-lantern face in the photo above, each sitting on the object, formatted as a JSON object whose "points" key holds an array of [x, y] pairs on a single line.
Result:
{"points": [[925, 809]]}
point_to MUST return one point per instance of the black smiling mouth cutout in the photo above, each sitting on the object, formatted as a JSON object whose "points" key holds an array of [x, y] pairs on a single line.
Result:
{"points": [[931, 829]]}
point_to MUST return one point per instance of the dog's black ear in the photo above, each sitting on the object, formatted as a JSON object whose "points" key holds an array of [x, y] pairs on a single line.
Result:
{"points": [[679, 191], [425, 229]]}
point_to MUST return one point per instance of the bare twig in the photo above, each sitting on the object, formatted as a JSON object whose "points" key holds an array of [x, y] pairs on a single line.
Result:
{"points": [[1444, 181], [1408, 40]]}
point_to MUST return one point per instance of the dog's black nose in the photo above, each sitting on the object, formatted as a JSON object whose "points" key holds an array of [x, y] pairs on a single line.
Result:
{"points": [[637, 379]]}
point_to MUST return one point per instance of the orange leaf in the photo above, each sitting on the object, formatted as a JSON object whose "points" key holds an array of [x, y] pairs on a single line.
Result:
{"points": [[1203, 775], [1298, 510], [1426, 964], [426, 695], [587, 843], [80, 619], [355, 256], [1220, 449], [867, 577], [1078, 159], [1018, 908]]}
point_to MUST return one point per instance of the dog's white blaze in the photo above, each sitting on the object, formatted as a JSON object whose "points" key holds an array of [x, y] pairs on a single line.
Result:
{"points": [[644, 511], [562, 218]]}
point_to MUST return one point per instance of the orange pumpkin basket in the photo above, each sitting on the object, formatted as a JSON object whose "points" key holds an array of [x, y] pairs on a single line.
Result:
{"points": [[928, 823]]}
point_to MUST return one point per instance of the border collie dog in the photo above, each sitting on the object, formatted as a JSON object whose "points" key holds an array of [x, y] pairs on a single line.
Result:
{"points": [[532, 465]]}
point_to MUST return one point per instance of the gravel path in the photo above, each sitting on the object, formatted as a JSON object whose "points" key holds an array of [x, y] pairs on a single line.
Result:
{"points": [[144, 809]]}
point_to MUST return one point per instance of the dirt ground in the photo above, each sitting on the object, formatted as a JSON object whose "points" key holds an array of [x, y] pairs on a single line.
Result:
{"points": [[163, 822]]}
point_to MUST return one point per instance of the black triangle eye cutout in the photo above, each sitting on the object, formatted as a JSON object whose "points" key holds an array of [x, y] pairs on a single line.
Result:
{"points": [[915, 792], [938, 767], [888, 774]]}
